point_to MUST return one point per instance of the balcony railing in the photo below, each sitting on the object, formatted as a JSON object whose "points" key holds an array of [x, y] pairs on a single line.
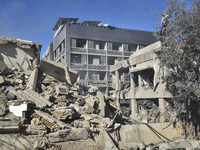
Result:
{"points": [[77, 66], [97, 67], [78, 49], [96, 51], [128, 53], [113, 52]]}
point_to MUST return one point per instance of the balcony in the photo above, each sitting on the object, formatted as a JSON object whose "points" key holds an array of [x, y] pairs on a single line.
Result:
{"points": [[128, 53], [78, 66], [98, 83], [97, 67], [113, 52], [78, 50], [96, 51]]}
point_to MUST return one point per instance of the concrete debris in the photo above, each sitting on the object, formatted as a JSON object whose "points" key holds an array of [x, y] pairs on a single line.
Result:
{"points": [[42, 106], [33, 96], [58, 71], [19, 54], [9, 126], [21, 108], [2, 66], [92, 89], [32, 80], [49, 120], [46, 145], [62, 90], [73, 134]]}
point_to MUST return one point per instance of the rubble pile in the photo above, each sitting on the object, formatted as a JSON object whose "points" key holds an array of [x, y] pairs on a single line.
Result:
{"points": [[46, 103], [42, 106]]}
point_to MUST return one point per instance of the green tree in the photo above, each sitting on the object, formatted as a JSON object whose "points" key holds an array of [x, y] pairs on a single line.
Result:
{"points": [[181, 54]]}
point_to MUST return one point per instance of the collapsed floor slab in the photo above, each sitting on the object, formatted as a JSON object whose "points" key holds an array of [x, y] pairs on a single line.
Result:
{"points": [[142, 133]]}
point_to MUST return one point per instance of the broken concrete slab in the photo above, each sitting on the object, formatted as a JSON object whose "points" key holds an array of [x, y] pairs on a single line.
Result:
{"points": [[33, 96], [3, 101], [58, 71], [64, 113], [105, 140], [2, 66], [81, 124], [102, 104], [49, 120], [71, 75], [36, 129], [32, 80], [14, 141], [19, 54], [127, 133], [46, 145], [69, 135], [9, 126]]}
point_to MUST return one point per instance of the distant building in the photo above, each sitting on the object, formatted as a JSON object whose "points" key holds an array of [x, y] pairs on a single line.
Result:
{"points": [[91, 47]]}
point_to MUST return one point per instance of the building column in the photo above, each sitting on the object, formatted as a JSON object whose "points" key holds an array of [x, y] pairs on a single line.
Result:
{"points": [[117, 88], [133, 100], [162, 106]]}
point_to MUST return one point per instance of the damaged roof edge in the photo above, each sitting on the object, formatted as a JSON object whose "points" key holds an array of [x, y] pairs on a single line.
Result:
{"points": [[20, 43]]}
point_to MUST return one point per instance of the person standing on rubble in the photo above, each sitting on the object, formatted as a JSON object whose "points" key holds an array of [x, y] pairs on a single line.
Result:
{"points": [[164, 22]]}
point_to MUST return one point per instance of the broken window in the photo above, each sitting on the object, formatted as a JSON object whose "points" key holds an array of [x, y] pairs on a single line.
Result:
{"points": [[111, 60], [96, 75], [95, 60], [82, 75], [132, 47], [75, 58], [63, 45], [55, 54], [99, 45], [146, 78], [81, 43], [135, 78], [117, 46], [141, 46]]}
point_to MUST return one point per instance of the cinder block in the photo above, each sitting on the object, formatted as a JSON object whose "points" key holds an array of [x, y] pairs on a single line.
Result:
{"points": [[62, 90]]}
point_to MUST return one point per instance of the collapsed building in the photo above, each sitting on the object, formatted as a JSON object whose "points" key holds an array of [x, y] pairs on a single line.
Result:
{"points": [[43, 107], [91, 48], [146, 87]]}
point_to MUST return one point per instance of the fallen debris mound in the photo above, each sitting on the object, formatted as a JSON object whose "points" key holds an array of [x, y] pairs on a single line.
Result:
{"points": [[43, 107]]}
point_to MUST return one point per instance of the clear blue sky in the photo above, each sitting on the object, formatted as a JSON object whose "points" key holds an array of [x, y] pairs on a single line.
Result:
{"points": [[34, 19]]}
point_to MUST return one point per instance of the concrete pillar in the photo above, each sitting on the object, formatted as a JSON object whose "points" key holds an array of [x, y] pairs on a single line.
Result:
{"points": [[117, 80], [102, 104], [133, 100], [32, 80], [162, 106]]}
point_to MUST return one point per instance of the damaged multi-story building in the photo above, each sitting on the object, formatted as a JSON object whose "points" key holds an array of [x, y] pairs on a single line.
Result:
{"points": [[91, 48], [146, 87]]}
